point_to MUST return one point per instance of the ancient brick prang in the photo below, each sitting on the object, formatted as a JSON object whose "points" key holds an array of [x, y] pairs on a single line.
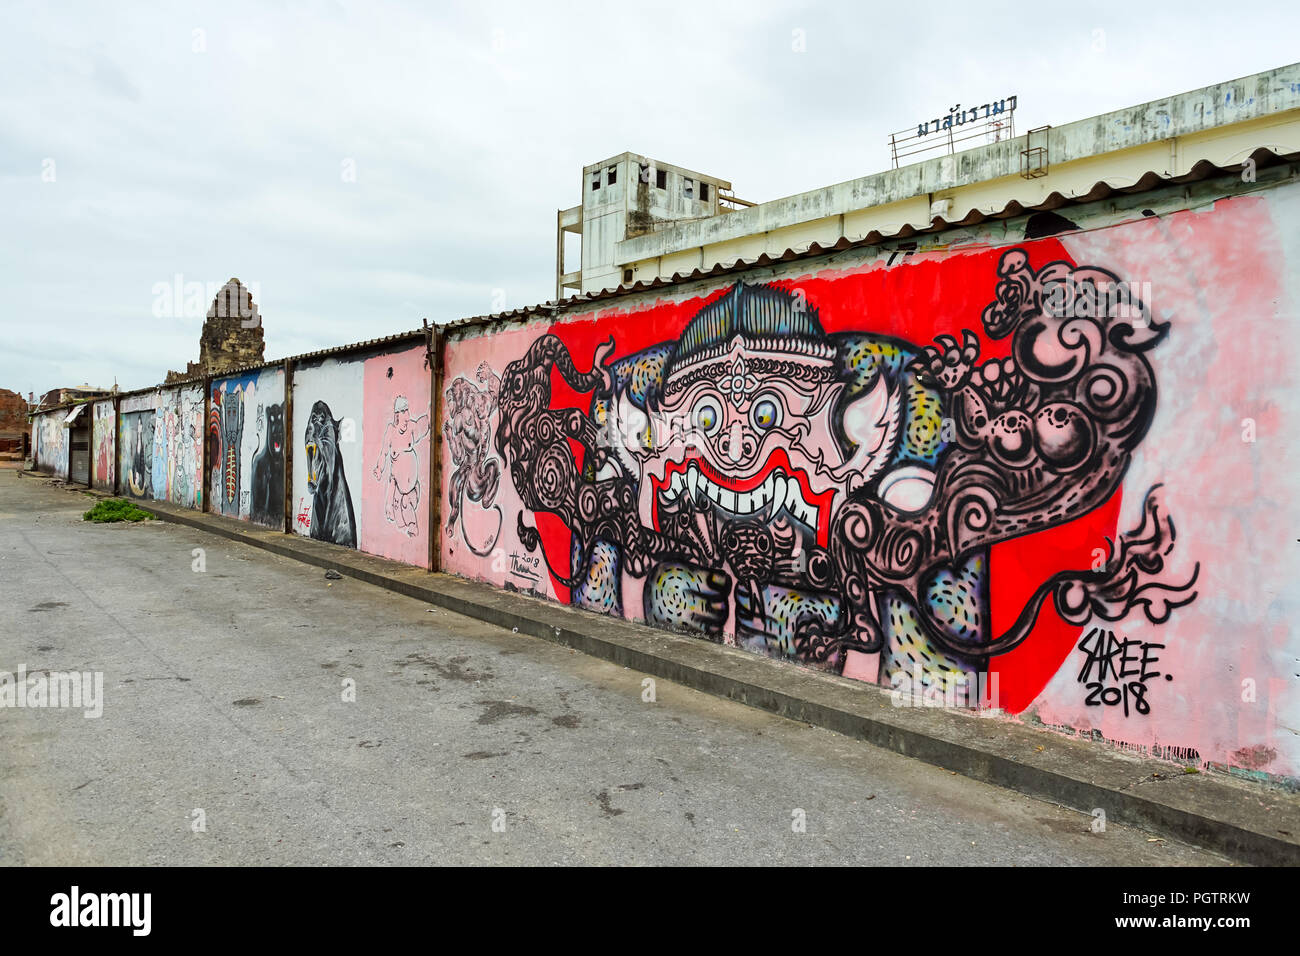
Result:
{"points": [[232, 334]]}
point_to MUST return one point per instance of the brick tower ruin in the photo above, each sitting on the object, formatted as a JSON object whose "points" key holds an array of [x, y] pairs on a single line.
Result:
{"points": [[232, 334]]}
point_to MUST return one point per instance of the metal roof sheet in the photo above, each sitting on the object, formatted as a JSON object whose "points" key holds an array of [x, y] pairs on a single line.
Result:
{"points": [[1202, 169]]}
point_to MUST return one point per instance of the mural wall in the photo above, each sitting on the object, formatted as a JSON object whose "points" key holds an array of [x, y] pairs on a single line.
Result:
{"points": [[50, 443], [136, 445], [1052, 478], [361, 453], [103, 446], [178, 446], [1029, 477], [247, 441]]}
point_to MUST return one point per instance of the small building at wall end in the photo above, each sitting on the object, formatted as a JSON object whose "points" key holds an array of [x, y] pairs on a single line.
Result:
{"points": [[625, 196], [76, 393], [643, 220]]}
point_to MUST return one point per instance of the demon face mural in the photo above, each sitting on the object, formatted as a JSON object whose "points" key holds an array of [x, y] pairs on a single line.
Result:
{"points": [[816, 495]]}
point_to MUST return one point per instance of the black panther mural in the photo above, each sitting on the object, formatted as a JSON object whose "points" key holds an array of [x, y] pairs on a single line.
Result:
{"points": [[332, 518], [267, 506], [817, 493]]}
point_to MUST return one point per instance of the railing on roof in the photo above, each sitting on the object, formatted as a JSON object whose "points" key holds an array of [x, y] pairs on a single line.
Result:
{"points": [[995, 124]]}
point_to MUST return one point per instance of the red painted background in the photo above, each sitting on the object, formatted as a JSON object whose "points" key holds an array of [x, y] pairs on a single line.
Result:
{"points": [[915, 300]]}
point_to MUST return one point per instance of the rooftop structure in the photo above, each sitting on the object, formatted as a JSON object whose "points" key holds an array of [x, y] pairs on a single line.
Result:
{"points": [[637, 232]]}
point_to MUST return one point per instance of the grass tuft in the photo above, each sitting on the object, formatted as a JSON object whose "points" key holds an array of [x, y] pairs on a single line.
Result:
{"points": [[116, 509]]}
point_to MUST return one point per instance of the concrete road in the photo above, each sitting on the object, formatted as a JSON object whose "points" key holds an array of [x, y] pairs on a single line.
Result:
{"points": [[224, 677]]}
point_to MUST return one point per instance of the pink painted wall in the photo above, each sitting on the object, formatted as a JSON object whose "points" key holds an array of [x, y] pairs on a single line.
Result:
{"points": [[1223, 443], [1221, 446], [394, 478], [479, 537]]}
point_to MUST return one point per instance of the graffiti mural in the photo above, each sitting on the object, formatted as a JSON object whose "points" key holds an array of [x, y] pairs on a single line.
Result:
{"points": [[362, 430], [247, 447], [332, 518], [137, 448], [328, 465], [396, 429], [136, 445], [103, 448], [267, 507], [470, 411], [814, 494], [1027, 474], [50, 443], [178, 447]]}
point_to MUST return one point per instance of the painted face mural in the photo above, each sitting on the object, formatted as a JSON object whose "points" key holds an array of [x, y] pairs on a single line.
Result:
{"points": [[821, 496], [247, 447], [227, 424]]}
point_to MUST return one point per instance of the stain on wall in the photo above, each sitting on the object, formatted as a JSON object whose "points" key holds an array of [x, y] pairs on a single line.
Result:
{"points": [[103, 446], [246, 432]]}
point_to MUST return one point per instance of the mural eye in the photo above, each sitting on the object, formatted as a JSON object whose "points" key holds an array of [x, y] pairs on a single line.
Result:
{"points": [[707, 417], [766, 414]]}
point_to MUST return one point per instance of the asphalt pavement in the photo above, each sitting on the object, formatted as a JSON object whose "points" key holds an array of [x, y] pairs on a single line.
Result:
{"points": [[256, 712]]}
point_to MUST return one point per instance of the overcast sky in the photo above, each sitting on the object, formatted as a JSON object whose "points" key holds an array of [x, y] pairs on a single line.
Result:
{"points": [[144, 141]]}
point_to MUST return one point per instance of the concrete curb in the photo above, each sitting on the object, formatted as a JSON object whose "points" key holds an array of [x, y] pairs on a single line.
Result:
{"points": [[1250, 822]]}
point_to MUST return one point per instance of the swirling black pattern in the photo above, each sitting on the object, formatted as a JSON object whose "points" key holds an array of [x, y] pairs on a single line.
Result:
{"points": [[1041, 438], [535, 442]]}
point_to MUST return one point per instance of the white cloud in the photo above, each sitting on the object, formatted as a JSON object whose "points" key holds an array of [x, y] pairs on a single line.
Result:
{"points": [[467, 126]]}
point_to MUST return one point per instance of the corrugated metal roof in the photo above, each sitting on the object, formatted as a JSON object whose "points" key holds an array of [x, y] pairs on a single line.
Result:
{"points": [[1100, 190], [1203, 169]]}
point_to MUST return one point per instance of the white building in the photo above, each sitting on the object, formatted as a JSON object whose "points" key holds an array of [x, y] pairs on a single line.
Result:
{"points": [[642, 219]]}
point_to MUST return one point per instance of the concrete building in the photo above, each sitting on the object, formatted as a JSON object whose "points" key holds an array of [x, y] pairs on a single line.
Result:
{"points": [[626, 196], [13, 423], [634, 232], [75, 393]]}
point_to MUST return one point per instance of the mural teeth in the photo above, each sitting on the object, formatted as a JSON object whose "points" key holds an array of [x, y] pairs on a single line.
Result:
{"points": [[692, 481], [793, 499], [806, 513], [744, 502], [778, 492], [727, 499]]}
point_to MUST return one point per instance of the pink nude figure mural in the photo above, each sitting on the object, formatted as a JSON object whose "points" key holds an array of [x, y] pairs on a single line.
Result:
{"points": [[395, 436], [398, 467]]}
